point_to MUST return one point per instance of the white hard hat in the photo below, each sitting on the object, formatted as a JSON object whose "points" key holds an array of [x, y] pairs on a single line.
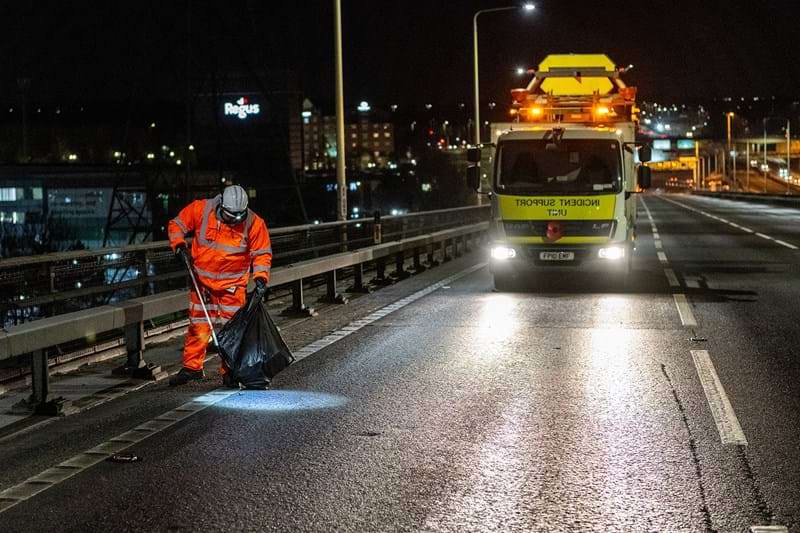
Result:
{"points": [[234, 200]]}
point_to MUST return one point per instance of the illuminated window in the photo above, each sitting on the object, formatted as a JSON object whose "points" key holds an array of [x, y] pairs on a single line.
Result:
{"points": [[387, 134], [375, 135], [8, 194]]}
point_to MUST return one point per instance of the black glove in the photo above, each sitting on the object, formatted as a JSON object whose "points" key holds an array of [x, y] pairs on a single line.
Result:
{"points": [[183, 254], [261, 288]]}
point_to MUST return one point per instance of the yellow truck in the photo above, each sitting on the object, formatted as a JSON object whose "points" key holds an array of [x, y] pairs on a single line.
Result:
{"points": [[564, 172]]}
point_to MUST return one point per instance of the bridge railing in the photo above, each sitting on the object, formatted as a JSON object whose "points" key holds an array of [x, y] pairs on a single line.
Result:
{"points": [[34, 287], [787, 200], [39, 339]]}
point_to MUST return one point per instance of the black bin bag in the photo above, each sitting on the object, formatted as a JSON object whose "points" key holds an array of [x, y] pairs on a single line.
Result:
{"points": [[252, 347]]}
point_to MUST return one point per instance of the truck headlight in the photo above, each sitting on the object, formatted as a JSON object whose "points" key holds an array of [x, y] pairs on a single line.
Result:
{"points": [[502, 253], [612, 252]]}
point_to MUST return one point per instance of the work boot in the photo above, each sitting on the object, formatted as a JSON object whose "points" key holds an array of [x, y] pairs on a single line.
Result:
{"points": [[185, 376], [229, 382]]}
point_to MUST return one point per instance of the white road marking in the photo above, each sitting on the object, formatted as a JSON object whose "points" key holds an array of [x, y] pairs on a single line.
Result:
{"points": [[656, 235], [730, 432], [684, 310], [734, 225], [671, 277], [662, 257], [657, 244], [769, 529], [65, 470], [692, 283], [786, 244]]}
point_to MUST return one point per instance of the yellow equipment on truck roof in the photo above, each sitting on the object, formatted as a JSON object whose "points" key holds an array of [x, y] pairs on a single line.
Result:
{"points": [[578, 88], [581, 70]]}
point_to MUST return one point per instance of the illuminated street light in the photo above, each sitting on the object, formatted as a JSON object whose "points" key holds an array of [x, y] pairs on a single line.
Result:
{"points": [[520, 71], [527, 7]]}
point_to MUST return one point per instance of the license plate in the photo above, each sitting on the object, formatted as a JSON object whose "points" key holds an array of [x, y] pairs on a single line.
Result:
{"points": [[557, 256]]}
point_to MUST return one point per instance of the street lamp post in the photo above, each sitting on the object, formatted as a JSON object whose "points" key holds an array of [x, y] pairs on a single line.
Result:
{"points": [[765, 167], [526, 7], [341, 178], [732, 154], [788, 156]]}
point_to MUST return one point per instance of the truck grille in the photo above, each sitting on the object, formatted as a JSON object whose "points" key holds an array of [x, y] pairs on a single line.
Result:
{"points": [[569, 228]]}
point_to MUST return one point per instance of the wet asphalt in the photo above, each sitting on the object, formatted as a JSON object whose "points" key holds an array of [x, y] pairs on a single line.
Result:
{"points": [[568, 406]]}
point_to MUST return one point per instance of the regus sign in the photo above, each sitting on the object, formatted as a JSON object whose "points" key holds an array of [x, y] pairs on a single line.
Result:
{"points": [[242, 108]]}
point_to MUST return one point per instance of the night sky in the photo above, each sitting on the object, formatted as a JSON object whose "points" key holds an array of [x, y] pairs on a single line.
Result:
{"points": [[407, 52]]}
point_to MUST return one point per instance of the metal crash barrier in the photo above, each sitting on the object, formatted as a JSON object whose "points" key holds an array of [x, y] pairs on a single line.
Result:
{"points": [[34, 338], [776, 199]]}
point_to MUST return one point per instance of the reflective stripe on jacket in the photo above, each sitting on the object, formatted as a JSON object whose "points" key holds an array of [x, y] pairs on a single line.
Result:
{"points": [[223, 255]]}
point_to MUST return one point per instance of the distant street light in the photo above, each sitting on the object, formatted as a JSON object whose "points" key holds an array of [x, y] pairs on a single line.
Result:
{"points": [[732, 153], [527, 7], [520, 71]]}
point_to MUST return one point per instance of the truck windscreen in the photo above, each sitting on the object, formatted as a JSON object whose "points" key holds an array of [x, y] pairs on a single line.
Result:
{"points": [[570, 166]]}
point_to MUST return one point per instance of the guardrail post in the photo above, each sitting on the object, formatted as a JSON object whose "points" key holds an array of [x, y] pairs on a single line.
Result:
{"points": [[418, 267], [380, 278], [133, 335], [432, 262], [331, 295], [358, 280], [377, 232], [459, 250], [52, 273], [39, 401], [136, 366], [399, 266], [445, 256], [298, 307], [142, 267]]}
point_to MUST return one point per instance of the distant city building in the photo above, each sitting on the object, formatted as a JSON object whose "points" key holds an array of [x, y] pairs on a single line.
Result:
{"points": [[370, 140]]}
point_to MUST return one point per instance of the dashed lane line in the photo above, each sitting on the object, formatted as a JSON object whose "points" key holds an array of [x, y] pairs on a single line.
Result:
{"points": [[733, 224], [671, 277], [65, 470], [684, 310], [681, 302], [730, 431]]}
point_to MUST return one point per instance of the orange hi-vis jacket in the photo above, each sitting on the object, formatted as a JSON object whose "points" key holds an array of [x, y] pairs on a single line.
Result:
{"points": [[222, 254]]}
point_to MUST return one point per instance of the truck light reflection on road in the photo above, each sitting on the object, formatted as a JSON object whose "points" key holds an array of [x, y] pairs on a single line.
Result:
{"points": [[498, 317]]}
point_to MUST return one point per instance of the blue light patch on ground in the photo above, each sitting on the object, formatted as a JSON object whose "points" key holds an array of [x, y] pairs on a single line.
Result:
{"points": [[282, 401]]}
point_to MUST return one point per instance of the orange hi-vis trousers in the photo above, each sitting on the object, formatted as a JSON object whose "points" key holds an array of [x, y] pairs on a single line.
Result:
{"points": [[221, 306]]}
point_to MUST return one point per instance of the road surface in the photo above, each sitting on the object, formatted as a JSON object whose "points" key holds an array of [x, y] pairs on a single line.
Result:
{"points": [[672, 405]]}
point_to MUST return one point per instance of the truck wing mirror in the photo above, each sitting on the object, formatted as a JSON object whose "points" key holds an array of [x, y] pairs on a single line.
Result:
{"points": [[645, 153], [474, 154], [474, 177], [643, 177]]}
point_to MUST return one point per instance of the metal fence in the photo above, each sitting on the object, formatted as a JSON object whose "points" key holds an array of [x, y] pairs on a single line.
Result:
{"points": [[35, 343], [757, 197], [51, 284]]}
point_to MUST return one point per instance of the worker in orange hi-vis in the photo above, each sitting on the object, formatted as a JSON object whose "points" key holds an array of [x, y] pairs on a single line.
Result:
{"points": [[228, 240]]}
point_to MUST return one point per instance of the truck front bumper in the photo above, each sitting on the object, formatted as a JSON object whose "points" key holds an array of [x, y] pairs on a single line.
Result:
{"points": [[519, 259]]}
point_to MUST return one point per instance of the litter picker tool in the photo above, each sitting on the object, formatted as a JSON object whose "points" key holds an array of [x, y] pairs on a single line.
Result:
{"points": [[200, 297]]}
